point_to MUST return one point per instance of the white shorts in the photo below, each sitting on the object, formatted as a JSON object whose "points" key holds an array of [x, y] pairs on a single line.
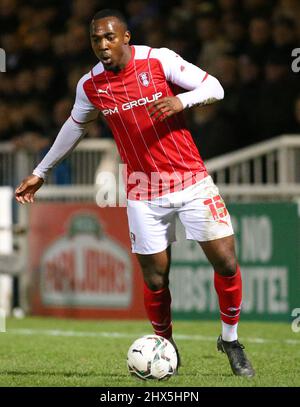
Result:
{"points": [[199, 207]]}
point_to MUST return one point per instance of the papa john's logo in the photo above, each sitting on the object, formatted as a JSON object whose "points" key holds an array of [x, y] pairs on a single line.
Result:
{"points": [[144, 78], [86, 268]]}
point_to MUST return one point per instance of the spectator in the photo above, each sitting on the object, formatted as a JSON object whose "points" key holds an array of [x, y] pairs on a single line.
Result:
{"points": [[226, 67], [31, 142], [24, 86], [45, 85], [5, 124], [260, 44], [287, 8], [212, 132], [62, 172], [229, 6], [139, 11], [77, 48], [212, 42], [9, 18], [235, 31], [284, 36], [38, 48], [82, 10], [254, 8], [276, 99], [249, 92]]}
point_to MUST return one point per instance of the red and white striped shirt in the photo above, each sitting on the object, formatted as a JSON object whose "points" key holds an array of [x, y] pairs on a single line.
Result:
{"points": [[145, 145], [160, 157]]}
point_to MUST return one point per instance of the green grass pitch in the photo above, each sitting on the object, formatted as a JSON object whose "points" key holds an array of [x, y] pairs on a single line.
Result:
{"points": [[58, 352]]}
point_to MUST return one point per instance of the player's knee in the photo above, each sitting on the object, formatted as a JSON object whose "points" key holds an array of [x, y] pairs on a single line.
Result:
{"points": [[226, 267], [156, 284], [156, 278]]}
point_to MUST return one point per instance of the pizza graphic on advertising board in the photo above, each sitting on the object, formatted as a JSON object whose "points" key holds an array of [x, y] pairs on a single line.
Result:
{"points": [[86, 268], [80, 262]]}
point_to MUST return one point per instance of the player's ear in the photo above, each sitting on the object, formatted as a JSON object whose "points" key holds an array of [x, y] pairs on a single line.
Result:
{"points": [[127, 37]]}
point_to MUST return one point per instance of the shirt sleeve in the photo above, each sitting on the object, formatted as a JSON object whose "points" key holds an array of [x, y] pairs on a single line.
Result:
{"points": [[66, 140], [83, 110], [202, 88]]}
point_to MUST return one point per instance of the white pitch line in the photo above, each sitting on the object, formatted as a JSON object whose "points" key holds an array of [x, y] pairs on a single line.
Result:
{"points": [[82, 334]]}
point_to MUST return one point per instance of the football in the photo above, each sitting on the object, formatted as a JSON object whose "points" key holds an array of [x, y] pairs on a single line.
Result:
{"points": [[152, 357]]}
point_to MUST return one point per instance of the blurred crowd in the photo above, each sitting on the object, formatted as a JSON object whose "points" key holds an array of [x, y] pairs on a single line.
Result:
{"points": [[246, 44]]}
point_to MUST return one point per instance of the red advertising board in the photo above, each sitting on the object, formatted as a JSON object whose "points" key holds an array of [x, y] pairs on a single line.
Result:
{"points": [[80, 263]]}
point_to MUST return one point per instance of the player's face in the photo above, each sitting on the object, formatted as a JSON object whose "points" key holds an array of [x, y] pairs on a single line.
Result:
{"points": [[110, 40]]}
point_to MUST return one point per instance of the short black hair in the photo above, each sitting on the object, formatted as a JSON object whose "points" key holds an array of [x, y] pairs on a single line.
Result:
{"points": [[109, 12]]}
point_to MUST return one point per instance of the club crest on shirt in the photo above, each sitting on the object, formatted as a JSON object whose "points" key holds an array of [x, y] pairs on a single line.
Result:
{"points": [[144, 78]]}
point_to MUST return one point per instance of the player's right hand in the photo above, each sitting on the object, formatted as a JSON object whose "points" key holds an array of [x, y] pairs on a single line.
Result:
{"points": [[28, 187]]}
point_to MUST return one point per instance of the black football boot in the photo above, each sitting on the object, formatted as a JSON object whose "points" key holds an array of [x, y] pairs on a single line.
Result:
{"points": [[177, 352], [239, 363]]}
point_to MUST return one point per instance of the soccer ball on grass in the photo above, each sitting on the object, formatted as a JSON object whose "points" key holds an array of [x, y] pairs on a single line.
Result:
{"points": [[152, 357]]}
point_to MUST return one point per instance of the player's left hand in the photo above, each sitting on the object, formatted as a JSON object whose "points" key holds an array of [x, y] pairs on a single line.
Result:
{"points": [[165, 107]]}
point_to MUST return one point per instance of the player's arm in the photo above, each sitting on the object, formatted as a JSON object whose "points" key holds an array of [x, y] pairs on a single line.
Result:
{"points": [[69, 136], [202, 88]]}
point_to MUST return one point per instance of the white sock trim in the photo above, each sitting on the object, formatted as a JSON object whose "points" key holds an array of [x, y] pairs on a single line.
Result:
{"points": [[229, 332]]}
